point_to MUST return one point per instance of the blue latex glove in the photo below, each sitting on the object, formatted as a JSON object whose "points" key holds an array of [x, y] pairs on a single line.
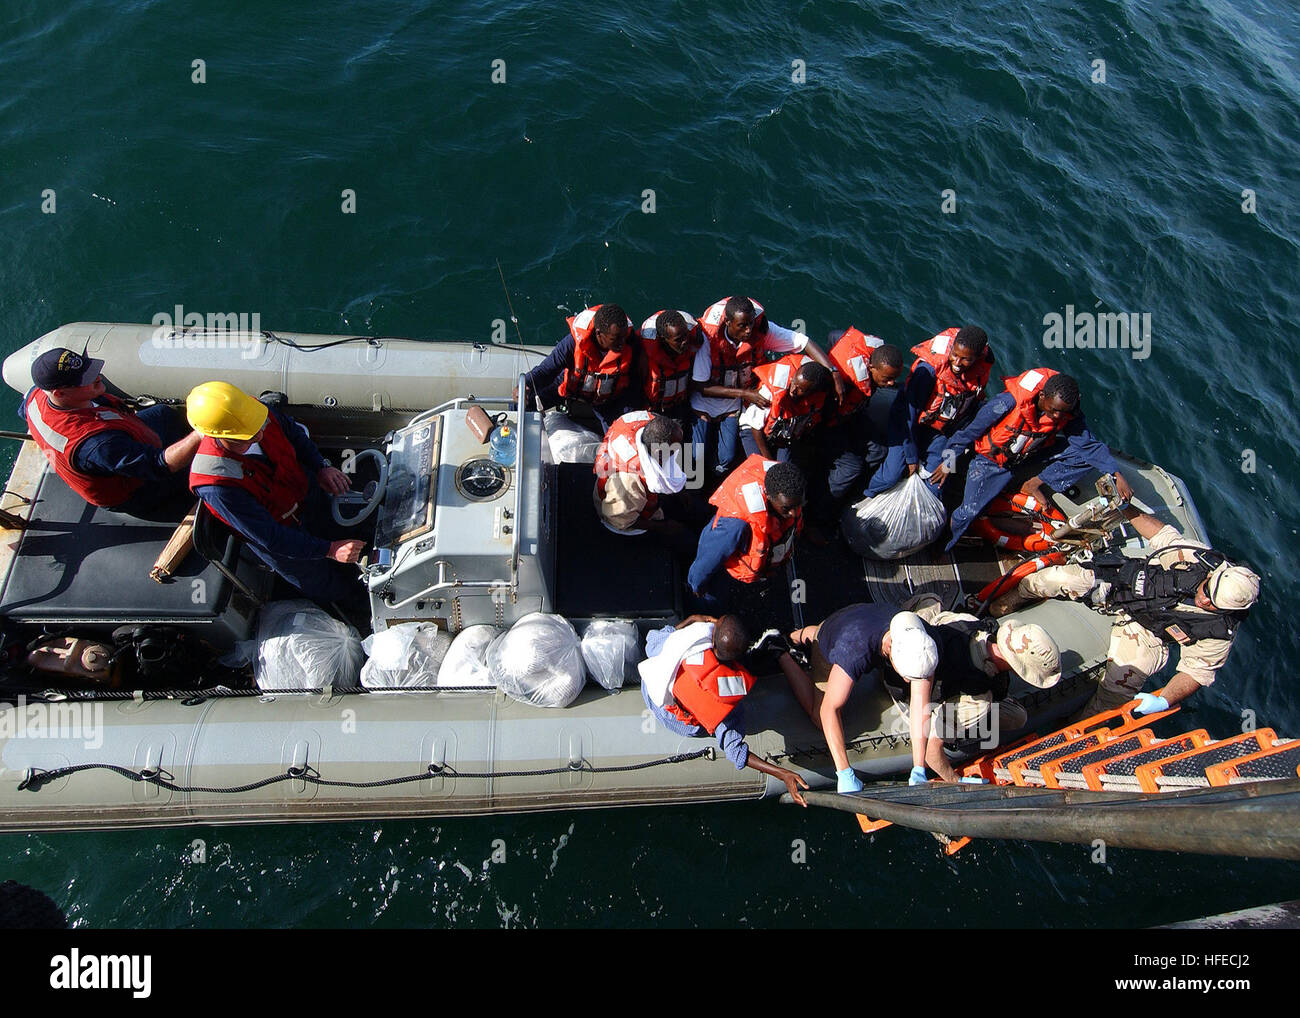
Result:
{"points": [[917, 777], [1148, 703], [848, 781], [974, 779]]}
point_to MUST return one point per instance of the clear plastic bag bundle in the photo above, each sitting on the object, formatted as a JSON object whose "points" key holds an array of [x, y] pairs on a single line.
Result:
{"points": [[539, 661], [569, 441], [402, 656], [466, 661], [299, 646], [610, 650], [895, 523]]}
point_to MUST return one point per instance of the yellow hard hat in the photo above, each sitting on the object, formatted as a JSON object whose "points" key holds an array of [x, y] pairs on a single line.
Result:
{"points": [[219, 410]]}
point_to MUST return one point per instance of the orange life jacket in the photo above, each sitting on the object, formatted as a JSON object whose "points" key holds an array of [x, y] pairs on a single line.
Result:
{"points": [[706, 690], [278, 482], [59, 433], [668, 378], [851, 354], [1045, 517], [732, 364], [741, 496], [787, 418], [618, 454], [954, 395], [1021, 433], [596, 375]]}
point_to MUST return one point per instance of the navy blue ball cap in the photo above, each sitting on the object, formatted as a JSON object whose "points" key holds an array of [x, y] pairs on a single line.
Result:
{"points": [[64, 369]]}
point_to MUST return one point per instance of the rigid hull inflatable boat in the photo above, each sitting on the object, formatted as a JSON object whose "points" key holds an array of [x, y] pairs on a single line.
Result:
{"points": [[453, 544]]}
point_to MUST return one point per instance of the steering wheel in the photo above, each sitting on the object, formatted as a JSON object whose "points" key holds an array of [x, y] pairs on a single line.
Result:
{"points": [[368, 499]]}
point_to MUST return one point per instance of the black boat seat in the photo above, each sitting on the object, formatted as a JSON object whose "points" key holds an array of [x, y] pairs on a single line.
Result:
{"points": [[83, 565], [600, 573]]}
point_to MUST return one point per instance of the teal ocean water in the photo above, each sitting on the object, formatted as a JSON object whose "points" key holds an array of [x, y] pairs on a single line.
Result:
{"points": [[799, 153]]}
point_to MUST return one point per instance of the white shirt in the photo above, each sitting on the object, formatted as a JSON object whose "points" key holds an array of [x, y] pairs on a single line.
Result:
{"points": [[779, 340]]}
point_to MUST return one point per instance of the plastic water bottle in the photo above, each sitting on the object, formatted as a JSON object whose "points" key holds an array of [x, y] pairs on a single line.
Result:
{"points": [[502, 443]]}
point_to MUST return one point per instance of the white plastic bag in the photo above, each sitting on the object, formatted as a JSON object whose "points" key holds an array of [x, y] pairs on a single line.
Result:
{"points": [[570, 442], [299, 646], [896, 522], [610, 650], [539, 661], [466, 660], [410, 654]]}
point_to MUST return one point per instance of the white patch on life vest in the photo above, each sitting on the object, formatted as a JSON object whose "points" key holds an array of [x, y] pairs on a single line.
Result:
{"points": [[108, 415], [752, 493], [859, 366], [731, 685], [583, 319], [1031, 380], [780, 378], [637, 416], [694, 659], [623, 448], [940, 345]]}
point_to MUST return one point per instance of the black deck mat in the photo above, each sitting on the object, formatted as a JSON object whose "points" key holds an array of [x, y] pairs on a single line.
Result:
{"points": [[76, 561], [599, 573]]}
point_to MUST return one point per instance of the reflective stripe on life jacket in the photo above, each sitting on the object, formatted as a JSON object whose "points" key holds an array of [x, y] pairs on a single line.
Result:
{"points": [[706, 690], [59, 432], [787, 418], [1019, 434], [276, 479], [668, 375], [732, 364], [851, 354], [619, 454], [955, 396], [741, 496], [596, 374]]}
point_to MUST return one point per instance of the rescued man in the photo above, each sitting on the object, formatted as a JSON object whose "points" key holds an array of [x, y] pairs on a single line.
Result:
{"points": [[591, 365], [106, 453], [1037, 420], [640, 484], [1183, 592], [869, 425], [945, 390], [797, 393], [694, 681], [665, 358], [759, 514], [737, 338]]}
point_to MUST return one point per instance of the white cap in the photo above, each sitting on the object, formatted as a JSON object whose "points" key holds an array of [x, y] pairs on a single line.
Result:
{"points": [[1232, 587], [912, 652]]}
